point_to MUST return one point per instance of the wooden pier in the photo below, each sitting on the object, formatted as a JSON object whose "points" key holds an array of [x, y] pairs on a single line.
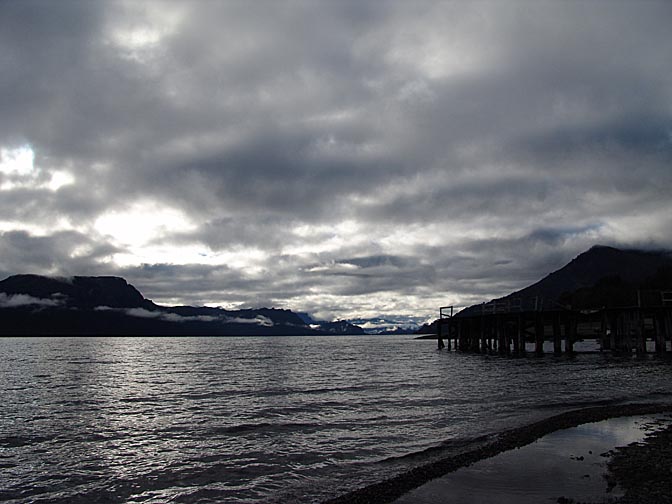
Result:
{"points": [[519, 326]]}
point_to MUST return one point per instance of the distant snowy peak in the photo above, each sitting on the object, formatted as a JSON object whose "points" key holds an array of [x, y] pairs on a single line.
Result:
{"points": [[389, 325]]}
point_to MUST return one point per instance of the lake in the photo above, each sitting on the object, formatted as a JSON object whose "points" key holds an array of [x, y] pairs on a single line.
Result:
{"points": [[268, 419]]}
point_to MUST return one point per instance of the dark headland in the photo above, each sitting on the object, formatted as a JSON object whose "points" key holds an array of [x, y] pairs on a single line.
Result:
{"points": [[621, 298], [600, 276], [34, 305]]}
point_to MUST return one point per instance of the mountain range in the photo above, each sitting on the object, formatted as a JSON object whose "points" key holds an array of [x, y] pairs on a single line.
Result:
{"points": [[105, 305]]}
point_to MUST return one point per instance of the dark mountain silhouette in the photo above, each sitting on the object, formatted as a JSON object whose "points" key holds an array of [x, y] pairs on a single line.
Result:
{"points": [[340, 327], [601, 276], [636, 268], [38, 305], [80, 291]]}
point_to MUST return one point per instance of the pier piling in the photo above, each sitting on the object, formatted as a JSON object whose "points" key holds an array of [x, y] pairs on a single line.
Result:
{"points": [[504, 328]]}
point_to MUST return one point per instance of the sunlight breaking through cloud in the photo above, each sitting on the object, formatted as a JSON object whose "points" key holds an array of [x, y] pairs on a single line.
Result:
{"points": [[19, 170]]}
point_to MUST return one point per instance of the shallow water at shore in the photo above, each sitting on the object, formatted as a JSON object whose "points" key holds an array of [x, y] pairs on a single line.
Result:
{"points": [[278, 419], [569, 463]]}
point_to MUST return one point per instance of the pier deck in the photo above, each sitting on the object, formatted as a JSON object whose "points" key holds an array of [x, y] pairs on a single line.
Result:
{"points": [[507, 327]]}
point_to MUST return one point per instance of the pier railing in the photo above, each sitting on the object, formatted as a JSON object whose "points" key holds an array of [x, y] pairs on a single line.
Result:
{"points": [[445, 312], [645, 299]]}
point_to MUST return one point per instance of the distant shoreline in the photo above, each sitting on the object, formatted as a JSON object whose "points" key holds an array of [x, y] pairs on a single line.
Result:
{"points": [[391, 489]]}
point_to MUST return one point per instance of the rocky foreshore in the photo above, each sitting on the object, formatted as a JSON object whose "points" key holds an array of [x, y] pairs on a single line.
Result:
{"points": [[620, 467], [643, 471]]}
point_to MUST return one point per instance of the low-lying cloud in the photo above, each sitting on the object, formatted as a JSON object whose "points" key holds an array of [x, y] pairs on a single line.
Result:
{"points": [[175, 317], [20, 300]]}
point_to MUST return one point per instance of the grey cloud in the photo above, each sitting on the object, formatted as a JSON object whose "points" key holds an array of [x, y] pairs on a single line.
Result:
{"points": [[66, 252], [263, 231], [43, 207], [377, 261], [169, 317], [18, 300], [174, 317], [557, 236], [258, 320]]}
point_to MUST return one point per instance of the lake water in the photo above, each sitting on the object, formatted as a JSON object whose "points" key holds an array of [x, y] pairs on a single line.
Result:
{"points": [[268, 419]]}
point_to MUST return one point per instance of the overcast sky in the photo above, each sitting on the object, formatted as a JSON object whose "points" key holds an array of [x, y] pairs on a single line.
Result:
{"points": [[348, 159]]}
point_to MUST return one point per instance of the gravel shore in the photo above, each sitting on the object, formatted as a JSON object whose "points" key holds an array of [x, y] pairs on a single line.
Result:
{"points": [[621, 466], [644, 470]]}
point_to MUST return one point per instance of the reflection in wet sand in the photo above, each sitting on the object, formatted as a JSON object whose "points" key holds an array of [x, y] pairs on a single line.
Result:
{"points": [[569, 463]]}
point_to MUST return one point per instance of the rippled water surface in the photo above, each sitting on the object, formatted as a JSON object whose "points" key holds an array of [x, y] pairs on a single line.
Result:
{"points": [[271, 419]]}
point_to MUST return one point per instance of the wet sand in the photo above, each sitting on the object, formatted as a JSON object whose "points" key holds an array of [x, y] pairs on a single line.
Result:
{"points": [[434, 488], [565, 466]]}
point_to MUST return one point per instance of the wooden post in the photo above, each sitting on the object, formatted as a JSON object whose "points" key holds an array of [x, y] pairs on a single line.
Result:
{"points": [[462, 334], [617, 338], [521, 336], [459, 337], [493, 336], [484, 336], [659, 328], [473, 338], [501, 339], [539, 334], [617, 331], [507, 335], [570, 333], [627, 332], [640, 335], [557, 337], [605, 343], [489, 333], [478, 334], [667, 317], [613, 332]]}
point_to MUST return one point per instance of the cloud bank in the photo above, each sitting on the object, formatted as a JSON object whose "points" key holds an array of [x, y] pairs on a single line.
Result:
{"points": [[20, 300]]}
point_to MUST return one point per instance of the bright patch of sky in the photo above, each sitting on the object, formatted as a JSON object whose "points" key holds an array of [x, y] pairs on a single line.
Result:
{"points": [[18, 165], [138, 230], [17, 161]]}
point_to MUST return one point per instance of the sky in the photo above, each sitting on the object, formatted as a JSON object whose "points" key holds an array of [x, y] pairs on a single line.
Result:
{"points": [[349, 159]]}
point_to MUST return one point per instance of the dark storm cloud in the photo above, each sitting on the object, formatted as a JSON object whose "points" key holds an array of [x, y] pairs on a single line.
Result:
{"points": [[65, 252], [432, 149], [284, 174], [365, 275]]}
